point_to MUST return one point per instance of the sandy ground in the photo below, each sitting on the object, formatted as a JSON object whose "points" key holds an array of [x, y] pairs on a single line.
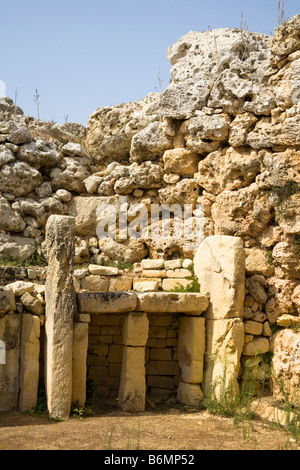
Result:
{"points": [[159, 429]]}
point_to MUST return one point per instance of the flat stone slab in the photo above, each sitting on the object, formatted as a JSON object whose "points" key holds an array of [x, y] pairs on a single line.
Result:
{"points": [[188, 303], [106, 302]]}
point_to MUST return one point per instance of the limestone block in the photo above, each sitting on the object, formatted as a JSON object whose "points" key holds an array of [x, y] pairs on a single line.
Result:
{"points": [[188, 303], [173, 264], [288, 321], [219, 264], [121, 283], [256, 262], [79, 369], [135, 329], [191, 348], [163, 368], [170, 284], [32, 304], [60, 299], [178, 273], [10, 330], [257, 346], [107, 302], [189, 394], [224, 346], [7, 301], [154, 273], [146, 286], [103, 270], [286, 365], [181, 161], [94, 283], [253, 328], [152, 263], [29, 361], [132, 391]]}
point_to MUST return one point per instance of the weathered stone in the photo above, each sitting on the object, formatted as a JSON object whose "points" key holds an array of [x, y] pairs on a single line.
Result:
{"points": [[94, 283], [284, 255], [242, 212], [19, 179], [285, 366], [39, 154], [20, 136], [189, 394], [224, 346], [178, 273], [103, 270], [150, 142], [10, 329], [71, 173], [219, 264], [237, 168], [73, 149], [79, 367], [32, 304], [6, 156], [121, 283], [152, 264], [171, 284], [181, 161], [198, 58], [188, 303], [131, 251], [185, 191], [175, 263], [288, 321], [207, 133], [60, 308], [257, 346], [146, 286], [132, 391], [108, 302], [7, 300], [29, 362], [257, 262], [20, 287], [253, 328], [87, 212], [191, 348], [135, 329], [110, 129]]}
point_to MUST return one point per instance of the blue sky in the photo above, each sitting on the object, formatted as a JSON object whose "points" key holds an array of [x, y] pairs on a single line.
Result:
{"points": [[82, 54]]}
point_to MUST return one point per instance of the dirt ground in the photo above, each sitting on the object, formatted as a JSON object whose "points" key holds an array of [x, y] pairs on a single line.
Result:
{"points": [[159, 429]]}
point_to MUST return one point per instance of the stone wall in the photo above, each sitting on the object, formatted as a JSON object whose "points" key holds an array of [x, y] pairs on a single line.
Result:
{"points": [[224, 136]]}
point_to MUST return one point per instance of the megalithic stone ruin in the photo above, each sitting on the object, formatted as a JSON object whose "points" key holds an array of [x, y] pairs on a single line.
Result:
{"points": [[60, 308]]}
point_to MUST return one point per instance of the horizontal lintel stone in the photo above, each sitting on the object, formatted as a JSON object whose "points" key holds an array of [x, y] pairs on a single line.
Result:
{"points": [[188, 303], [106, 302]]}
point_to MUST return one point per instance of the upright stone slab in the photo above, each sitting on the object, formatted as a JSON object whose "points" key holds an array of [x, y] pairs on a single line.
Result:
{"points": [[224, 346], [191, 348], [80, 347], [29, 361], [10, 329], [132, 391], [219, 264], [60, 308]]}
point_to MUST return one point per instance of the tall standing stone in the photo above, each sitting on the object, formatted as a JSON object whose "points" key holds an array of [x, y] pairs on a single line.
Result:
{"points": [[219, 264], [10, 328], [29, 361], [60, 308]]}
